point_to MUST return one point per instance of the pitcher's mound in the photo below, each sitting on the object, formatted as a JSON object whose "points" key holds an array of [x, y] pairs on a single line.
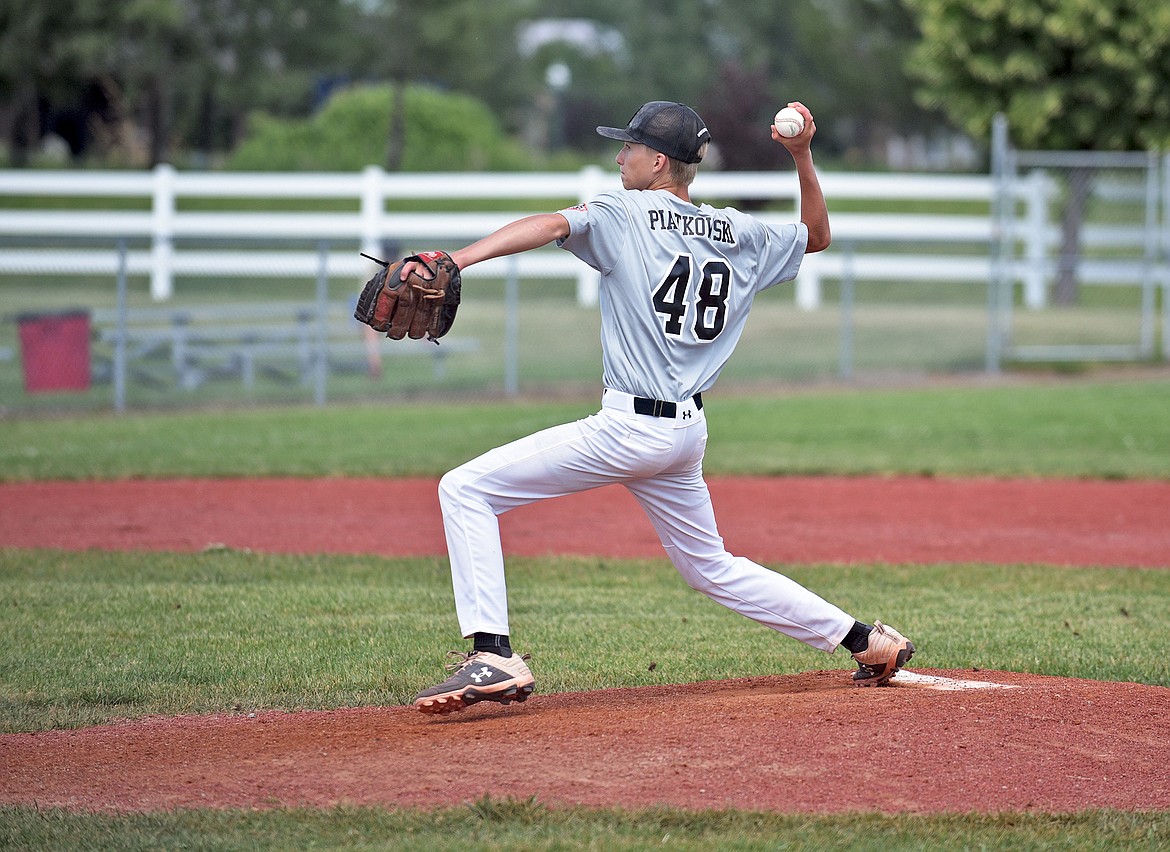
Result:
{"points": [[932, 741]]}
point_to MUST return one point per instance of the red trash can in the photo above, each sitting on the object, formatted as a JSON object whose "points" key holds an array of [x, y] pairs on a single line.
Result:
{"points": [[55, 351]]}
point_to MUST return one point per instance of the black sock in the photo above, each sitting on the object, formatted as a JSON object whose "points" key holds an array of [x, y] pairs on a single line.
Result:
{"points": [[857, 638], [493, 643]]}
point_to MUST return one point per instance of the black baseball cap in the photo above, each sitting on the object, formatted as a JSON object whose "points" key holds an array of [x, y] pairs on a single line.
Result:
{"points": [[673, 129]]}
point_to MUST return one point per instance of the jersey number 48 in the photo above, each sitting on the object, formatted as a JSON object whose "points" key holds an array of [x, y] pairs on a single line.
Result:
{"points": [[672, 297]]}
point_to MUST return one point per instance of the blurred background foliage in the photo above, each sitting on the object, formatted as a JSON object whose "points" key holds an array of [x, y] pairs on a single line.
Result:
{"points": [[444, 131], [464, 84]]}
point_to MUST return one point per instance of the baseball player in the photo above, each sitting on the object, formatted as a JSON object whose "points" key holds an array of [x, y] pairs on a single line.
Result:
{"points": [[677, 283]]}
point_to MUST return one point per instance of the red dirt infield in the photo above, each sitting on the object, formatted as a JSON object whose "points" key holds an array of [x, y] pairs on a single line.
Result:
{"points": [[958, 740], [798, 519]]}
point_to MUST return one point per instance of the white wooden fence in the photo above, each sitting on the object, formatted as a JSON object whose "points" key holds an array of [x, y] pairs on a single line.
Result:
{"points": [[170, 239], [181, 241]]}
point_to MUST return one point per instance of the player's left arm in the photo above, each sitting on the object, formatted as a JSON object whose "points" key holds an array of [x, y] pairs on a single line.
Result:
{"points": [[814, 212], [525, 234]]}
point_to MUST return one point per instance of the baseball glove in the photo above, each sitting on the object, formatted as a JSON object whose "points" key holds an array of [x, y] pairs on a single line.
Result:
{"points": [[424, 305]]}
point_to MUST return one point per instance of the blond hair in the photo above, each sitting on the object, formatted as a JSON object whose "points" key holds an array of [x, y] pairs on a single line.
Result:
{"points": [[683, 174]]}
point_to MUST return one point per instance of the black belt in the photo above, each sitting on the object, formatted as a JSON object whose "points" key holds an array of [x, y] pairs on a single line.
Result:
{"points": [[660, 408]]}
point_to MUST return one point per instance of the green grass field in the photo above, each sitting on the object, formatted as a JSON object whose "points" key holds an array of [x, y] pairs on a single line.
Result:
{"points": [[95, 636], [500, 825], [1060, 427], [90, 636]]}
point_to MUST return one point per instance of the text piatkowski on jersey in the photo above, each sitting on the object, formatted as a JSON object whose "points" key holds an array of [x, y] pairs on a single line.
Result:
{"points": [[711, 227]]}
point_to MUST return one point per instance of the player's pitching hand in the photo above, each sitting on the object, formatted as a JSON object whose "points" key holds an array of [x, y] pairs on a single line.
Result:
{"points": [[801, 140]]}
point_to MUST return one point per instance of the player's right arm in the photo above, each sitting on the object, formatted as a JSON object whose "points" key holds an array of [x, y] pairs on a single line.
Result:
{"points": [[814, 213]]}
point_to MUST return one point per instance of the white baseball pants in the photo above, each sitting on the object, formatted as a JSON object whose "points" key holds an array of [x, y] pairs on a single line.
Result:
{"points": [[660, 461]]}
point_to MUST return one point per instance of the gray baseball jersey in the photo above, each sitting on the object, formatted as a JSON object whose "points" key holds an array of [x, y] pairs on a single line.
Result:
{"points": [[677, 284]]}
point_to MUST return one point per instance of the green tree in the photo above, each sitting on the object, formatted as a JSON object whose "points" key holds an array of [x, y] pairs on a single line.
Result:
{"points": [[739, 60], [443, 132], [843, 59], [214, 61], [186, 71], [154, 46], [189, 72], [463, 45], [48, 53], [1068, 75]]}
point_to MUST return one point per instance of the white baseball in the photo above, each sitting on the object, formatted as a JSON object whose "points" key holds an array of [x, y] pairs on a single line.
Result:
{"points": [[789, 122]]}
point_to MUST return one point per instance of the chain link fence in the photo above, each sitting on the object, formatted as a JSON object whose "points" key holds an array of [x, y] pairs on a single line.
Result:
{"points": [[928, 275], [249, 341], [1079, 271]]}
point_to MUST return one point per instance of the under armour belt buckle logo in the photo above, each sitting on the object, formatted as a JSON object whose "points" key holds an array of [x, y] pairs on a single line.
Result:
{"points": [[479, 676]]}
